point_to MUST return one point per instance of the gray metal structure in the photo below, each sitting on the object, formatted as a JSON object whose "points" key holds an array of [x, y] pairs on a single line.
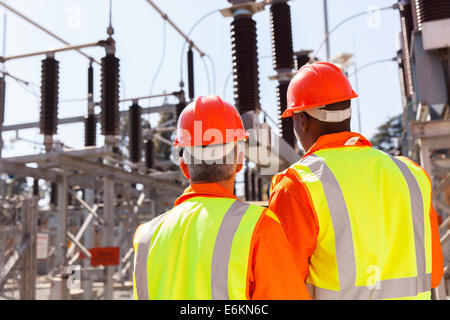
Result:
{"points": [[424, 76]]}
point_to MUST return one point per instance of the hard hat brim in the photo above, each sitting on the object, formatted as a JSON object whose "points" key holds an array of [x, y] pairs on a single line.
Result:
{"points": [[289, 112]]}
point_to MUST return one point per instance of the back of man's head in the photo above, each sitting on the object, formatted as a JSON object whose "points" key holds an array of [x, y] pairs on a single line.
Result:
{"points": [[209, 164]]}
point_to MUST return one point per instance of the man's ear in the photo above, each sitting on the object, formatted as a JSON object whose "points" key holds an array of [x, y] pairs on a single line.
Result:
{"points": [[184, 167], [303, 121]]}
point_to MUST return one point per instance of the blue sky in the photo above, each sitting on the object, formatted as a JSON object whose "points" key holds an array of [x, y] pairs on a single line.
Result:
{"points": [[139, 42]]}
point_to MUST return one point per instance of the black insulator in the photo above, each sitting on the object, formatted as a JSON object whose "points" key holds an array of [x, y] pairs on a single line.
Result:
{"points": [[54, 194], [407, 27], [49, 96], [285, 125], [135, 132], [431, 10], [401, 71], [149, 154], [280, 21], [179, 108], [90, 130], [91, 80], [245, 64], [69, 199], [260, 187], [190, 64], [110, 95], [253, 183], [406, 21], [247, 185], [35, 187], [301, 59]]}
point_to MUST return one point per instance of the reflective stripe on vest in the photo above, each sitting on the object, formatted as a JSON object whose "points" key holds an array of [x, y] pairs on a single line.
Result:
{"points": [[224, 254], [222, 250], [346, 265], [141, 257]]}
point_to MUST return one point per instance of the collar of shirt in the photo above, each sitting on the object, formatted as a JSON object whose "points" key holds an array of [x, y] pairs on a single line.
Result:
{"points": [[209, 190], [337, 140]]}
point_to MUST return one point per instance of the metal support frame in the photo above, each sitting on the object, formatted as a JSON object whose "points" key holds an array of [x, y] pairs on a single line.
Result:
{"points": [[86, 282], [24, 255], [101, 43], [124, 113], [431, 136], [108, 233], [29, 266]]}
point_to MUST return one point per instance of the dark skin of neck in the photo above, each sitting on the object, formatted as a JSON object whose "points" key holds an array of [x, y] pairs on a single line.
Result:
{"points": [[309, 129]]}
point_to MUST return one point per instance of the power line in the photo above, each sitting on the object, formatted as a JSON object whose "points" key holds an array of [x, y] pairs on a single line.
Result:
{"points": [[213, 67], [161, 61], [207, 75], [189, 33], [372, 63], [394, 6], [45, 30]]}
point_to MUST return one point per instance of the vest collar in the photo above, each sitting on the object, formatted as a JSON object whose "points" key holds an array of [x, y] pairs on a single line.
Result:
{"points": [[339, 140], [209, 190]]}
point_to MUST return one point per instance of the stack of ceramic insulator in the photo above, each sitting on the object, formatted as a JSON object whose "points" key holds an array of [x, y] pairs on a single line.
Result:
{"points": [[280, 20], [90, 126], [245, 63], [301, 59], [190, 64], [179, 108], [149, 154], [135, 132], [49, 96], [90, 122], [407, 26], [283, 61], [110, 95], [431, 10]]}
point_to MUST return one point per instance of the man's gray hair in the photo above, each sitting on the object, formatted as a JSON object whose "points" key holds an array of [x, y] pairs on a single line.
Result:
{"points": [[209, 170]]}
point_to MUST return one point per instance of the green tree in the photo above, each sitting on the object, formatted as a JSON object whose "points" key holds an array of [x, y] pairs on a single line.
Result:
{"points": [[11, 185], [163, 151], [389, 135]]}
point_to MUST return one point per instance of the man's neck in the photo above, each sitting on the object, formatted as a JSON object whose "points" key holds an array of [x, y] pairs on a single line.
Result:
{"points": [[227, 184]]}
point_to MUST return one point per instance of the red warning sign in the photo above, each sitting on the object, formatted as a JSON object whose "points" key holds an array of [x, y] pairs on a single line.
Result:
{"points": [[106, 256]]}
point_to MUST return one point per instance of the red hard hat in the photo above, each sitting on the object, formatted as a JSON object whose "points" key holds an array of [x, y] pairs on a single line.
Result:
{"points": [[316, 85], [209, 120]]}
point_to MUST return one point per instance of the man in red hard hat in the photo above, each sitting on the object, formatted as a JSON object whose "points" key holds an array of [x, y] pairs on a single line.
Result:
{"points": [[211, 245], [360, 221]]}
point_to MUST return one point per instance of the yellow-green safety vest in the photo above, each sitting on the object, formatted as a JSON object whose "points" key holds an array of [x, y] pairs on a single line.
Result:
{"points": [[374, 238], [198, 250]]}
